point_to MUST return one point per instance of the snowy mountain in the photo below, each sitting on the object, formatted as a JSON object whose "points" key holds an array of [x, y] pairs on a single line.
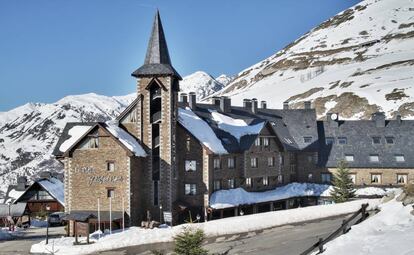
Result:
{"points": [[203, 84], [29, 133], [358, 62]]}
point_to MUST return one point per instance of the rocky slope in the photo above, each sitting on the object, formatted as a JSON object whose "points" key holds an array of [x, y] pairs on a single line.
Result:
{"points": [[203, 84], [28, 133], [358, 62]]}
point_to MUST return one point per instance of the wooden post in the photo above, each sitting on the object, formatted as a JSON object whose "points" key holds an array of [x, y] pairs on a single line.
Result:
{"points": [[236, 211], [363, 211], [221, 213], [75, 231], [87, 235], [344, 227], [272, 207], [320, 245]]}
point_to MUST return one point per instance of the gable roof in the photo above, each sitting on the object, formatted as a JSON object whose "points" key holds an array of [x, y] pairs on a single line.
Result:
{"points": [[359, 135], [52, 185], [157, 60], [127, 110], [67, 142], [16, 210]]}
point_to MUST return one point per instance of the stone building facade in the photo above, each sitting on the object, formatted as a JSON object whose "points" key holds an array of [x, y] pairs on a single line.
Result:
{"points": [[169, 153]]}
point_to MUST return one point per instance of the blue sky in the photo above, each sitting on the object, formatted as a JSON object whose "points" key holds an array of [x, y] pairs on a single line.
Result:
{"points": [[53, 48]]}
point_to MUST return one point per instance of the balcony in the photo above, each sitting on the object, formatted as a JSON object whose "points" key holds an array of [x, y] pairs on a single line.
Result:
{"points": [[156, 117], [156, 94], [156, 142]]}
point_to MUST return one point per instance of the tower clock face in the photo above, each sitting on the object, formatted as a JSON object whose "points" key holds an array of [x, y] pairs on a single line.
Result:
{"points": [[334, 116]]}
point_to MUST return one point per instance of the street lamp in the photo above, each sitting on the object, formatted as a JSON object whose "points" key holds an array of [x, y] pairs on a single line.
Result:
{"points": [[47, 228], [160, 213]]}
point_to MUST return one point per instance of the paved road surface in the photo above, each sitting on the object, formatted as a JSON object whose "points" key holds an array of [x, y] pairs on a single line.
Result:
{"points": [[284, 240], [21, 245]]}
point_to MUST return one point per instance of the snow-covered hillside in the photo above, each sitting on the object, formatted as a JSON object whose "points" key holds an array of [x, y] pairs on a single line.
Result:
{"points": [[203, 84], [358, 62], [28, 133]]}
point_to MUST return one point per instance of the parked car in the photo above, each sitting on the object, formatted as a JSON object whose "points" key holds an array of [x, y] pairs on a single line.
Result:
{"points": [[56, 219]]}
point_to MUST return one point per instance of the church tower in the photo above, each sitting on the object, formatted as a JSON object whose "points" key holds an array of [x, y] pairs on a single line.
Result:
{"points": [[157, 85]]}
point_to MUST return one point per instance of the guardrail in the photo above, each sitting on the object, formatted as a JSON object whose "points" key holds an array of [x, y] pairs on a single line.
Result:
{"points": [[345, 227]]}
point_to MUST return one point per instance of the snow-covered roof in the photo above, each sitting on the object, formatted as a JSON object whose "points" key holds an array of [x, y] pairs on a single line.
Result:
{"points": [[55, 188], [75, 134], [126, 139], [201, 130], [235, 197]]}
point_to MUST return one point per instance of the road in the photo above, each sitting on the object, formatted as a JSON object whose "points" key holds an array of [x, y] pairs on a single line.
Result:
{"points": [[21, 245], [283, 240]]}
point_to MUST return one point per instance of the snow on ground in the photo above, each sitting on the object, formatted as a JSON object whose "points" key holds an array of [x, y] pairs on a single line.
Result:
{"points": [[75, 133], [5, 234], [200, 129], [236, 127], [233, 225], [126, 139], [235, 197], [391, 231]]}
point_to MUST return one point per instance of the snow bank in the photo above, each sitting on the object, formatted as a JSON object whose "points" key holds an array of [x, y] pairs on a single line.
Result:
{"points": [[374, 191], [75, 133], [236, 127], [55, 188], [234, 225], [235, 197], [391, 231], [201, 130], [4, 235], [126, 139]]}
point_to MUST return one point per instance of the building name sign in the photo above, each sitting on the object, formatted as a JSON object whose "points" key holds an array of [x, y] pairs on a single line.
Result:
{"points": [[98, 179]]}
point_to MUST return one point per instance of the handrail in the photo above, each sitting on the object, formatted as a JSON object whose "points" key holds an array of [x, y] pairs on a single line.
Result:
{"points": [[343, 228]]}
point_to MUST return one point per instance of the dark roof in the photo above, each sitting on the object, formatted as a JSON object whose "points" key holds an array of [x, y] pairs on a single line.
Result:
{"points": [[360, 144], [16, 210], [64, 136], [289, 125], [85, 215], [157, 60]]}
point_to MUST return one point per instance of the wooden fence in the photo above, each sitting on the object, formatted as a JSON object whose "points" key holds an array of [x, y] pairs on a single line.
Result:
{"points": [[345, 227]]}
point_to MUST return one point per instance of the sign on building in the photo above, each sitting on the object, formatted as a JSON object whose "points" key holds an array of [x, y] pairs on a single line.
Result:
{"points": [[168, 217]]}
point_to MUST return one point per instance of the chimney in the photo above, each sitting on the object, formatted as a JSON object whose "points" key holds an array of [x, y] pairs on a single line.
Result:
{"points": [[263, 104], [192, 100], [398, 118], [307, 105], [247, 103], [21, 183], [183, 98], [216, 101], [254, 105], [286, 105], [379, 118], [332, 119], [225, 104], [45, 175]]}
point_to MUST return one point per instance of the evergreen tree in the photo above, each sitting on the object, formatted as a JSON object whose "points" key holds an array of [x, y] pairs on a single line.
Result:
{"points": [[343, 187], [189, 242]]}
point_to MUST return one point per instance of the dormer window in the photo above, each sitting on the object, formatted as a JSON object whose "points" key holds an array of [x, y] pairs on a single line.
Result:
{"points": [[307, 139], [389, 139], [342, 140], [376, 140], [349, 157], [399, 158], [374, 158], [329, 140]]}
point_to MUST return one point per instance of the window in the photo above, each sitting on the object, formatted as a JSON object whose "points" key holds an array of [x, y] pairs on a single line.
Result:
{"points": [[110, 193], [190, 189], [188, 144], [402, 178], [257, 142], [90, 143], [329, 140], [307, 139], [217, 184], [376, 140], [265, 181], [217, 163], [253, 162], [271, 161], [190, 165], [374, 158], [389, 139], [342, 140], [375, 178], [230, 183], [110, 166], [248, 182], [230, 162], [326, 177], [353, 178], [349, 157], [310, 158], [399, 158], [282, 160], [43, 195], [280, 178], [265, 141]]}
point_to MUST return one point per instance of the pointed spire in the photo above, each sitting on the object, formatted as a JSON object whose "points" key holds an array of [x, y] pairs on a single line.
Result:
{"points": [[157, 60]]}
